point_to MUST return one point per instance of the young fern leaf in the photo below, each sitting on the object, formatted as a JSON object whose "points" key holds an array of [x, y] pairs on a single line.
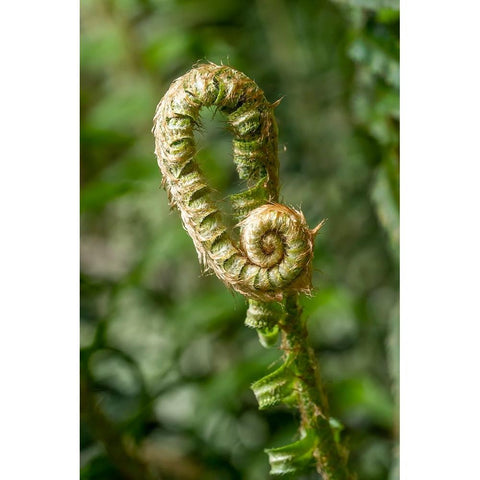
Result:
{"points": [[276, 246], [266, 257], [277, 387], [294, 457], [264, 318]]}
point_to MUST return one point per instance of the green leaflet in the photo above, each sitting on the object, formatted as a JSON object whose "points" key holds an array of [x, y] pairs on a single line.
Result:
{"points": [[268, 337], [276, 387], [294, 457], [262, 315]]}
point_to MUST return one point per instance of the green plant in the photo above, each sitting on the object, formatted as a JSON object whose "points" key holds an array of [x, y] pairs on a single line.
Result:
{"points": [[265, 254]]}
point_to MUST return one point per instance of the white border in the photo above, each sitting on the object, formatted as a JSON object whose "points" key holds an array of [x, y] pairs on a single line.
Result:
{"points": [[440, 240], [39, 239]]}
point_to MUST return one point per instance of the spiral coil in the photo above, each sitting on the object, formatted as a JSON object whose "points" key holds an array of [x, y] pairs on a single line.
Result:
{"points": [[273, 256]]}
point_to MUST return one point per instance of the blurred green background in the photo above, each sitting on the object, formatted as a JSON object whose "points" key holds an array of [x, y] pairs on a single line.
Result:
{"points": [[166, 362]]}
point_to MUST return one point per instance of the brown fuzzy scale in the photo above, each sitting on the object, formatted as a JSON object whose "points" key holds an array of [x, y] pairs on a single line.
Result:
{"points": [[276, 246]]}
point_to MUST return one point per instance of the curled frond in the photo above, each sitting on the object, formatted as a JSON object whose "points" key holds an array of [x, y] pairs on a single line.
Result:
{"points": [[275, 251]]}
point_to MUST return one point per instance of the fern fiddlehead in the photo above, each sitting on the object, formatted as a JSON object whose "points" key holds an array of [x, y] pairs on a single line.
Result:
{"points": [[266, 257]]}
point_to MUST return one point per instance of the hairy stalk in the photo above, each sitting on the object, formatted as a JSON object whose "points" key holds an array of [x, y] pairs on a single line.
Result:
{"points": [[312, 401], [266, 257]]}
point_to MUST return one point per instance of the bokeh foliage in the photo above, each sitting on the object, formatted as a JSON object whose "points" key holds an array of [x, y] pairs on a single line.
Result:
{"points": [[166, 362]]}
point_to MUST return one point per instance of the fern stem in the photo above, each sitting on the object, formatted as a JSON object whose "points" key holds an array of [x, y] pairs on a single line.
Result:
{"points": [[312, 401]]}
